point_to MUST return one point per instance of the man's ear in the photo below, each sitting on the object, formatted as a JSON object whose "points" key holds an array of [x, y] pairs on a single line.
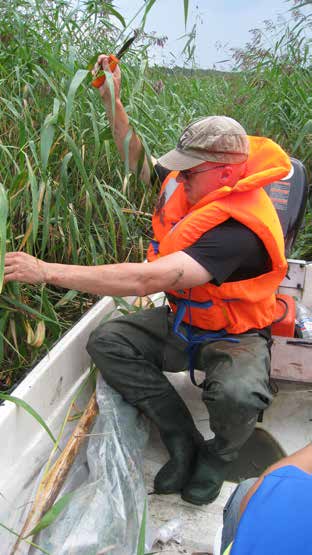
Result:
{"points": [[225, 177]]}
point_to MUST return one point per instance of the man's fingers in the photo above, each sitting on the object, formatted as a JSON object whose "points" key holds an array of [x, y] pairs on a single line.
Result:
{"points": [[10, 256], [103, 61], [8, 270], [101, 64], [10, 266], [95, 69], [23, 267]]}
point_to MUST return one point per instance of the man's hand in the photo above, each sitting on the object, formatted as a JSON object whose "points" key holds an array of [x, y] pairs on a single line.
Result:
{"points": [[119, 121], [20, 266], [103, 63]]}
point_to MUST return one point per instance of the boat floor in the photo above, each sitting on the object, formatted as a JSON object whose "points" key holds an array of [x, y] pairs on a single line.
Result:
{"points": [[288, 420]]}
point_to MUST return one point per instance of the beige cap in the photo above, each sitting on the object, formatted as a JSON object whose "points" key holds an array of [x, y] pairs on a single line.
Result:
{"points": [[211, 139]]}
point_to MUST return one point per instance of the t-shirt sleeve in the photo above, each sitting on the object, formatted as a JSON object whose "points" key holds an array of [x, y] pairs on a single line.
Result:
{"points": [[159, 173], [230, 250]]}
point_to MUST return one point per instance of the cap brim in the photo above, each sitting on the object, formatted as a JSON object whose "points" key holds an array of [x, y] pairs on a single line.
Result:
{"points": [[180, 160], [176, 160]]}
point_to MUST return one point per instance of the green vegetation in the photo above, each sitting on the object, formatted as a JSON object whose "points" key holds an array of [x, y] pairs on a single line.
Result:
{"points": [[70, 198]]}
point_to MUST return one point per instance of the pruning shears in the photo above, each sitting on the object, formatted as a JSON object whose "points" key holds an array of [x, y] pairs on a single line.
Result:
{"points": [[113, 61]]}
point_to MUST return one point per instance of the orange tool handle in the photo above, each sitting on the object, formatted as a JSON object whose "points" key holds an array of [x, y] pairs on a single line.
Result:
{"points": [[112, 62]]}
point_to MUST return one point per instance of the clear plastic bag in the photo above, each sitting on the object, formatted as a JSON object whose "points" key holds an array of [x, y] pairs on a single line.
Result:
{"points": [[170, 531], [107, 476]]}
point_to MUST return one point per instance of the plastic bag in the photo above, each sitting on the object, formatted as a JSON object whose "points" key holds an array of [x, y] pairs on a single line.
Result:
{"points": [[108, 504], [170, 531]]}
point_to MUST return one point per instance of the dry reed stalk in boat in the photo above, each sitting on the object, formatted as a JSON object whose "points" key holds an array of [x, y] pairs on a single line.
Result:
{"points": [[51, 484]]}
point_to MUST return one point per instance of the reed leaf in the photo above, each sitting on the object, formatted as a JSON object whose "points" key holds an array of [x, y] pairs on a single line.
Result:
{"points": [[20, 403], [186, 7], [142, 532], [67, 298], [51, 515], [25, 308], [4, 208], [79, 161], [39, 335], [78, 78], [74, 235], [126, 151], [39, 70], [306, 130], [95, 128], [149, 5], [46, 218], [87, 215], [33, 149], [25, 540], [48, 310], [110, 9], [3, 321], [35, 198], [47, 135]]}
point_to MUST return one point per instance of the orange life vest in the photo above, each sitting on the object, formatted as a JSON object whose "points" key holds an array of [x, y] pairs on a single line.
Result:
{"points": [[241, 305]]}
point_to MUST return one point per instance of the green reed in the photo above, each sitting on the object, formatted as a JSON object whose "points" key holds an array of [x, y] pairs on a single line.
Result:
{"points": [[70, 197]]}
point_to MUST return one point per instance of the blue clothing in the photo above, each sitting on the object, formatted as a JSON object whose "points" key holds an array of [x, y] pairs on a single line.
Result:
{"points": [[231, 513], [277, 520]]}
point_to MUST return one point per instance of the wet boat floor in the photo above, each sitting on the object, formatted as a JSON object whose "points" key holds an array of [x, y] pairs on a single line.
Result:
{"points": [[287, 426]]}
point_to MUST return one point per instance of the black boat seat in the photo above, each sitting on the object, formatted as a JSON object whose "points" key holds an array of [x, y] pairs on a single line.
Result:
{"points": [[289, 196]]}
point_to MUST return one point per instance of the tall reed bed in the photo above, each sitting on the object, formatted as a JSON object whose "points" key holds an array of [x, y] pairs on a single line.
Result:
{"points": [[70, 198]]}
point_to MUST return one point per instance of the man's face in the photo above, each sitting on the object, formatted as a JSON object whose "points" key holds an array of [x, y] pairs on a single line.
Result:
{"points": [[203, 179]]}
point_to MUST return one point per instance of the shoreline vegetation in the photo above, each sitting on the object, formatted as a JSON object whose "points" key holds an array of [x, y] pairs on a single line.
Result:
{"points": [[70, 198]]}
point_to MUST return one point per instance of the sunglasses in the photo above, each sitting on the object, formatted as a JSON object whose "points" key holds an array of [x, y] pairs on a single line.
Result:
{"points": [[189, 173]]}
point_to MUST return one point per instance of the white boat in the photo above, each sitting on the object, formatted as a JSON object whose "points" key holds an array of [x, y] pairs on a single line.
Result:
{"points": [[52, 384]]}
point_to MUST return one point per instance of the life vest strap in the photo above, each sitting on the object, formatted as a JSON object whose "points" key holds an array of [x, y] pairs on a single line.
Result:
{"points": [[155, 245], [194, 340]]}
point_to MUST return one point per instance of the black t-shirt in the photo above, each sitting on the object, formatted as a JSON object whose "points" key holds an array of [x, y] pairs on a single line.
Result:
{"points": [[229, 251]]}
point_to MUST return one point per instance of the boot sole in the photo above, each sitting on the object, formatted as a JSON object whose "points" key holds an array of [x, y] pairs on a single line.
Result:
{"points": [[166, 492], [199, 502]]}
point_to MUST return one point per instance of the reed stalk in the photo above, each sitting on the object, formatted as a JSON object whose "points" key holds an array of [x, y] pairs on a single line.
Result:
{"points": [[53, 481]]}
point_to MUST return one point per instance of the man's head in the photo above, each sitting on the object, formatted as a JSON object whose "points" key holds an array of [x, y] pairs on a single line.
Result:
{"points": [[211, 153]]}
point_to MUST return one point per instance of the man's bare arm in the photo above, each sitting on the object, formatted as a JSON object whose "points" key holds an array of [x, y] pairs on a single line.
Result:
{"points": [[175, 271], [119, 121]]}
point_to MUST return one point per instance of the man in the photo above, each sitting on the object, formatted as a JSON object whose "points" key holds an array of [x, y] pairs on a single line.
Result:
{"points": [[218, 252], [271, 514]]}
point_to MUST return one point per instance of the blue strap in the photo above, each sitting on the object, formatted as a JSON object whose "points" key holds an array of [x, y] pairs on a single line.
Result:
{"points": [[193, 341], [155, 245]]}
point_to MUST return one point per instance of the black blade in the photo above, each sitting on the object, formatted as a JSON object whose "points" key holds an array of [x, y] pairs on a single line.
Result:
{"points": [[125, 46]]}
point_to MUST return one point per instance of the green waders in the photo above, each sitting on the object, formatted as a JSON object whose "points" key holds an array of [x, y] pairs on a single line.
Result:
{"points": [[133, 351]]}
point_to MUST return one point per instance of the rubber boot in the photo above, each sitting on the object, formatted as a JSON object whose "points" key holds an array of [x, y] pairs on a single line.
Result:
{"points": [[179, 434], [206, 482]]}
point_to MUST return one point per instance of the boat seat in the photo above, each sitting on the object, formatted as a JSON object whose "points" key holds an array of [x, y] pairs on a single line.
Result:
{"points": [[289, 196]]}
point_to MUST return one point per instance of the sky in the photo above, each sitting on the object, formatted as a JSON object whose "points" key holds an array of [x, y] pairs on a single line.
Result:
{"points": [[218, 21]]}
